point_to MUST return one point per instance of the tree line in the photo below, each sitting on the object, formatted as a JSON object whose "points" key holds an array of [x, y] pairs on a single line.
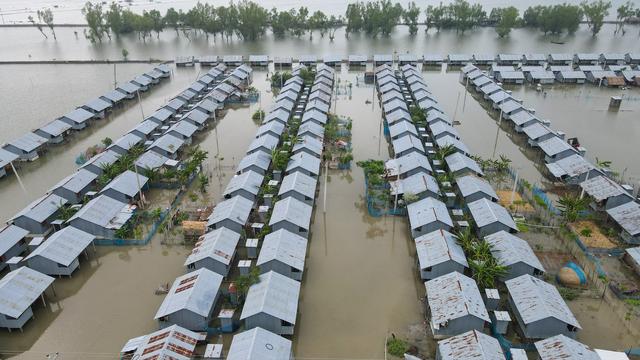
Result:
{"points": [[249, 20]]}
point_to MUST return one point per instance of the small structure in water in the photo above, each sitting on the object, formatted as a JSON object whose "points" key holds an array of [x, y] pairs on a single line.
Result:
{"points": [[19, 289], [470, 345], [59, 254], [259, 343]]}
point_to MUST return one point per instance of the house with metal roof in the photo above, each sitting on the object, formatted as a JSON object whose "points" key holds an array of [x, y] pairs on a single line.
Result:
{"points": [[508, 59], [459, 59], [191, 300], [246, 185], [161, 116], [259, 344], [283, 252], [184, 130], [207, 106], [606, 193], [555, 149], [534, 59], [514, 253], [430, 105], [175, 105], [150, 160], [197, 118], [279, 115], [315, 116], [448, 140], [408, 165], [627, 216], [97, 163], [154, 75], [164, 69], [562, 347], [538, 132], [439, 254], [299, 186], [79, 118], [510, 77], [437, 116], [304, 163], [37, 216], [167, 145], [289, 94], [265, 143], [319, 105], [125, 143], [283, 104], [472, 188], [214, 251], [394, 105], [523, 119], [59, 253], [539, 309], [441, 129], [572, 170], [586, 59], [126, 187], [74, 187], [490, 217], [433, 59], [207, 80], [309, 145], [189, 96], [500, 97], [480, 82], [509, 108], [259, 60], [19, 289], [631, 257], [173, 342], [598, 76], [13, 242], [460, 164], [396, 116], [142, 81], [232, 214], [402, 129], [28, 146], [428, 215], [113, 97], [272, 304], [406, 145], [612, 58], [380, 59], [389, 87], [540, 77], [291, 87], [282, 61], [129, 89], [257, 161], [98, 107], [6, 158], [420, 95], [421, 185], [488, 89], [408, 59], [454, 305], [357, 60], [559, 59], [471, 345], [293, 215], [102, 216], [54, 131], [321, 91]]}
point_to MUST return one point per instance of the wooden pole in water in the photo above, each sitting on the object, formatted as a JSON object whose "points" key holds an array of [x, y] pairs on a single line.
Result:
{"points": [[464, 101], [326, 177], [455, 112], [515, 184], [395, 202], [140, 103], [115, 79], [18, 177]]}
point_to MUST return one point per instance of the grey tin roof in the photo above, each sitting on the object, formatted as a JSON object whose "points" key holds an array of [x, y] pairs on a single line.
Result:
{"points": [[259, 158], [266, 142], [396, 116], [195, 291], [9, 237], [219, 245], [522, 117], [427, 211], [97, 105], [573, 74], [450, 140], [56, 128], [315, 104], [300, 183], [275, 127], [79, 115], [510, 106], [554, 146], [285, 247], [168, 143], [127, 141], [469, 185], [142, 80], [407, 163], [76, 181], [42, 208], [275, 295], [176, 104], [458, 161], [19, 289], [310, 143], [128, 88], [151, 160], [602, 188], [509, 249], [443, 128], [472, 345], [453, 296], [293, 211], [249, 181], [236, 209], [196, 116], [304, 161], [634, 253], [6, 157], [536, 300], [438, 247], [571, 166], [627, 216], [114, 95], [402, 127], [259, 344], [28, 142], [436, 115], [314, 114], [103, 159], [485, 212], [105, 212], [161, 115], [562, 347], [64, 246], [501, 96], [415, 184], [127, 183], [208, 105], [406, 143], [279, 115], [183, 128], [537, 130]]}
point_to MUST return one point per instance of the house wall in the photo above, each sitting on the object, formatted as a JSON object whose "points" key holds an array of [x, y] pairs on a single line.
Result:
{"points": [[425, 229], [291, 227], [241, 192], [561, 155], [15, 250], [267, 322], [303, 171], [229, 224], [74, 125], [298, 196], [306, 150], [541, 329], [49, 267], [211, 264], [190, 320], [441, 269], [459, 326], [281, 268], [477, 196], [493, 228], [116, 195], [33, 226], [72, 197], [93, 229], [10, 323], [618, 200], [518, 269]]}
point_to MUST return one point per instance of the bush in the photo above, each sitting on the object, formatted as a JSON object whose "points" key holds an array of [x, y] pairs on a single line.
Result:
{"points": [[397, 347], [586, 232], [568, 294]]}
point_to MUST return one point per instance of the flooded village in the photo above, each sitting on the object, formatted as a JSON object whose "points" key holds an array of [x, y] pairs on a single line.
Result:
{"points": [[284, 199]]}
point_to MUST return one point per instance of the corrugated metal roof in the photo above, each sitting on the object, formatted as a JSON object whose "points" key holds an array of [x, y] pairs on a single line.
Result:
{"points": [[163, 68], [197, 87], [554, 146], [105, 212], [358, 58], [542, 74], [56, 128], [64, 246], [490, 88], [634, 253], [310, 143], [522, 117], [453, 296], [485, 212], [28, 142], [300, 183], [571, 166], [450, 140], [472, 345], [6, 157], [287, 94], [76, 181], [249, 181], [266, 142], [501, 96], [407, 163], [587, 56], [195, 291], [512, 75], [259, 158], [316, 115], [396, 116], [154, 74], [174, 342], [537, 130], [9, 237], [259, 344], [176, 104], [536, 57], [147, 127], [276, 295], [208, 105], [565, 348], [469, 185], [279, 115], [128, 183], [114, 95], [142, 80], [285, 247], [97, 105], [284, 104], [322, 91], [103, 159], [402, 127], [602, 188], [151, 160], [438, 247], [188, 94], [391, 86], [294, 87], [168, 143], [560, 57], [482, 80], [127, 141], [43, 207], [293, 211], [197, 116], [433, 57], [627, 216], [457, 161], [406, 143], [304, 161], [536, 300], [315, 104], [443, 128], [572, 74], [437, 115], [429, 104], [19, 289], [183, 128], [427, 211], [236, 209], [459, 57], [415, 184], [219, 245], [162, 114], [509, 249], [510, 106], [128, 88]]}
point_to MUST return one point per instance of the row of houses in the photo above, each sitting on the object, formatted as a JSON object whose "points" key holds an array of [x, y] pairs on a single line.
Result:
{"points": [[31, 145], [564, 162], [630, 58], [456, 307], [609, 75], [101, 217]]}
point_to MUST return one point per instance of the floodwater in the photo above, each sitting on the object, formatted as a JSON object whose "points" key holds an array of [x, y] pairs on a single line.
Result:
{"points": [[360, 283]]}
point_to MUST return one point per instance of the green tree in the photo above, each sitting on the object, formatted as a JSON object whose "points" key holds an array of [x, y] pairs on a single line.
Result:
{"points": [[486, 271], [252, 20], [46, 16], [125, 53], [95, 20], [244, 282], [435, 16], [319, 21], [508, 20], [38, 25], [353, 17], [156, 20], [624, 12], [172, 18], [595, 12], [107, 141], [571, 207], [410, 16]]}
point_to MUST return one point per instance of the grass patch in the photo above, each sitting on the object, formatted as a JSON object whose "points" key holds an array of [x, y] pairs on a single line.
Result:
{"points": [[568, 293], [397, 347]]}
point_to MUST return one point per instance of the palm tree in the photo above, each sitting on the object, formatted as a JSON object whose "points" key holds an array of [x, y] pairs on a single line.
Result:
{"points": [[485, 272], [445, 151], [572, 206], [466, 239]]}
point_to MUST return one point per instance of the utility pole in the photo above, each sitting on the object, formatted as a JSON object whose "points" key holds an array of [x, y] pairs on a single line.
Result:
{"points": [[18, 177], [140, 103], [115, 78]]}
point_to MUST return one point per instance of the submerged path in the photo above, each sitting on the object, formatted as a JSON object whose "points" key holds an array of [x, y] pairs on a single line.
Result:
{"points": [[360, 280]]}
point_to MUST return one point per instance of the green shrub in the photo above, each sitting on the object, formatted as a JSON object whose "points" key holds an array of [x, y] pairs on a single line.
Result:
{"points": [[586, 232], [568, 294], [397, 347]]}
